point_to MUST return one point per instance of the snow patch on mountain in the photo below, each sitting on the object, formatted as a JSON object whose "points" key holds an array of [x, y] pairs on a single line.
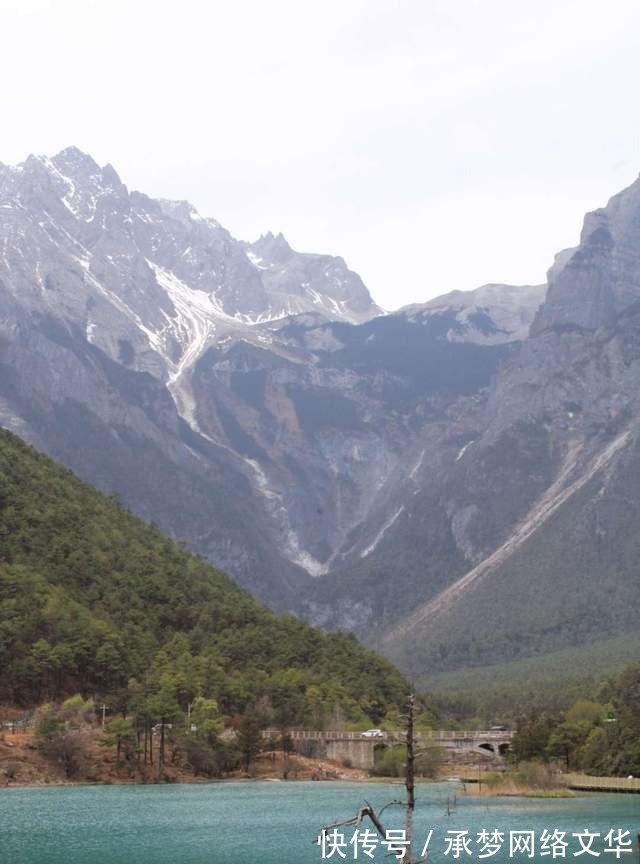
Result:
{"points": [[256, 260], [417, 466], [369, 549], [302, 558], [293, 549], [463, 450], [194, 322]]}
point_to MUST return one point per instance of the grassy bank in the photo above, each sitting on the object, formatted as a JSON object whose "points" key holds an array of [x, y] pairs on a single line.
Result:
{"points": [[528, 780]]}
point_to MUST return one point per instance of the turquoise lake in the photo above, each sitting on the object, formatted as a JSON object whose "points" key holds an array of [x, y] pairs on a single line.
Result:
{"points": [[275, 823]]}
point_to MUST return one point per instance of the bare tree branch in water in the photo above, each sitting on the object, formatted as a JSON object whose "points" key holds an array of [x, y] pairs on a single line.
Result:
{"points": [[364, 812], [367, 810]]}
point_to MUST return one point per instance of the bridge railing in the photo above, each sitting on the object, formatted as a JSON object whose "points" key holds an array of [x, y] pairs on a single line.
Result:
{"points": [[467, 735], [602, 784], [431, 734], [314, 735]]}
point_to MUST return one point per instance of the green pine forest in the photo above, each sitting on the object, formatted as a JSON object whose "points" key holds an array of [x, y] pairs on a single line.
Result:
{"points": [[94, 601]]}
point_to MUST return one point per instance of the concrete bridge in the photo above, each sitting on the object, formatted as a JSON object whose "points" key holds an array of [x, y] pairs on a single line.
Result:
{"points": [[360, 750]]}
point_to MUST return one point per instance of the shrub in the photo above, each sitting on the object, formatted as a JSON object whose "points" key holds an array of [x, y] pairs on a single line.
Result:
{"points": [[390, 762], [210, 761], [11, 770], [76, 708], [47, 722], [68, 749], [536, 775]]}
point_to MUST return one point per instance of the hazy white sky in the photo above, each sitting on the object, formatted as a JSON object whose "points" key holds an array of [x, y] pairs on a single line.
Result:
{"points": [[434, 144]]}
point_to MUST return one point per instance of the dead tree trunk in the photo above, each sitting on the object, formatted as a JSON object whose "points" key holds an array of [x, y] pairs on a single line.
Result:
{"points": [[367, 810], [410, 781]]}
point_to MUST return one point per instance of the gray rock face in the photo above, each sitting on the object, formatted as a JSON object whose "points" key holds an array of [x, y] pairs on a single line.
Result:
{"points": [[255, 375], [490, 315], [521, 536], [108, 301], [593, 283], [319, 284]]}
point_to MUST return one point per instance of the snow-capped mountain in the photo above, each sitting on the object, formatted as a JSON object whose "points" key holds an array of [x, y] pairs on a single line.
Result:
{"points": [[301, 282], [274, 367], [384, 472], [149, 279]]}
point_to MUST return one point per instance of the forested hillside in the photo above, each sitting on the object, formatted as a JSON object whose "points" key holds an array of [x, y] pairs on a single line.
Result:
{"points": [[599, 735], [95, 601]]}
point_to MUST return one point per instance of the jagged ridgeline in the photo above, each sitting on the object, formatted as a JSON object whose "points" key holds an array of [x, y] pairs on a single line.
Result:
{"points": [[91, 596]]}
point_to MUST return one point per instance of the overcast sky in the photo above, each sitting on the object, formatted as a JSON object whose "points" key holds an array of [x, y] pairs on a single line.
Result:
{"points": [[434, 145]]}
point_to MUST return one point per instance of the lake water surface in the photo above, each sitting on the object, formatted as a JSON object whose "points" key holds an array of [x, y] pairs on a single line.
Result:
{"points": [[274, 823]]}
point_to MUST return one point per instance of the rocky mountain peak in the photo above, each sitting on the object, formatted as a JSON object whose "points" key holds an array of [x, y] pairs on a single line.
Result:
{"points": [[152, 275], [271, 247], [75, 162], [493, 314], [590, 285], [184, 212]]}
